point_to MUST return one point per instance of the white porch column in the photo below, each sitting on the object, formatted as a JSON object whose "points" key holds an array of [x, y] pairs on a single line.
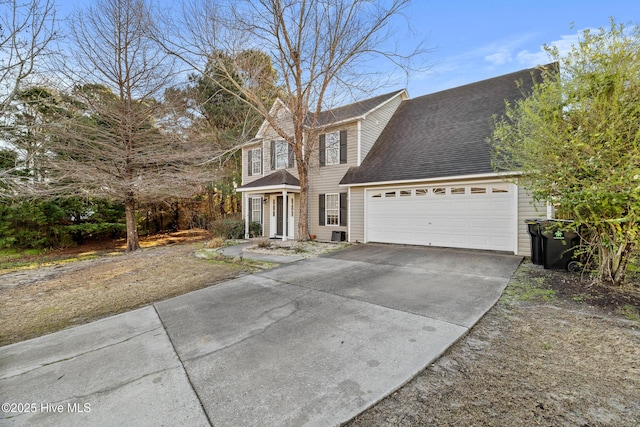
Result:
{"points": [[245, 210], [285, 204]]}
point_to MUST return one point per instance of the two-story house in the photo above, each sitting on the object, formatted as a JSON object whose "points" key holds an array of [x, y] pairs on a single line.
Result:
{"points": [[392, 169], [269, 174]]}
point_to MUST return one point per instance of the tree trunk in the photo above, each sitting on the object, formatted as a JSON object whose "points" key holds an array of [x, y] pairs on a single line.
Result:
{"points": [[616, 263], [613, 256], [303, 220], [132, 226], [302, 163]]}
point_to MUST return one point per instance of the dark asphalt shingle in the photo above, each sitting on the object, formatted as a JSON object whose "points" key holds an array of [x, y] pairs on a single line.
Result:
{"points": [[442, 134], [279, 177], [353, 110]]}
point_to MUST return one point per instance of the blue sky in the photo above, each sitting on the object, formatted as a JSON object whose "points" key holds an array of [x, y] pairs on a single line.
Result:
{"points": [[479, 39], [474, 40]]}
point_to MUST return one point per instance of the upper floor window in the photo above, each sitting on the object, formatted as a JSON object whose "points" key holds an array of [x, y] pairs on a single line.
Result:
{"points": [[256, 161], [332, 148], [281, 155]]}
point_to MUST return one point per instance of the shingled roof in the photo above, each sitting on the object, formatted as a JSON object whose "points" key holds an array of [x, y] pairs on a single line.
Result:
{"points": [[443, 134], [278, 178], [356, 109]]}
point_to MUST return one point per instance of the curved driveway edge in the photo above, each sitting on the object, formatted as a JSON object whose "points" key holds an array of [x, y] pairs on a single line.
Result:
{"points": [[313, 342], [118, 371]]}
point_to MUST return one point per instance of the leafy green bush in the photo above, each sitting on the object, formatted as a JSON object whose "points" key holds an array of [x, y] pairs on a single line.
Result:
{"points": [[255, 229], [58, 223], [90, 230]]}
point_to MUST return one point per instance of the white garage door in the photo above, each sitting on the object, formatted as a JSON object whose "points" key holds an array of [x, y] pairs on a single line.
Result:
{"points": [[475, 216]]}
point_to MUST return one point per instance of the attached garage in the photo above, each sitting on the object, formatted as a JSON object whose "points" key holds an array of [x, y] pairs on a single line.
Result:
{"points": [[429, 179], [474, 216]]}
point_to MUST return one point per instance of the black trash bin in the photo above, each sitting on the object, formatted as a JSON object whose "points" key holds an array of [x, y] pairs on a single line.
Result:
{"points": [[558, 245], [533, 225]]}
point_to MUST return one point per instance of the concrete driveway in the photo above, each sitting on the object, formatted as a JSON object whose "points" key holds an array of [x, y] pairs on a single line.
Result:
{"points": [[313, 342]]}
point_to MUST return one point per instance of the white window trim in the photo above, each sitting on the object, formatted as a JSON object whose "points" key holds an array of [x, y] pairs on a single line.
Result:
{"points": [[282, 153], [256, 160], [332, 146], [256, 201], [335, 211], [291, 221]]}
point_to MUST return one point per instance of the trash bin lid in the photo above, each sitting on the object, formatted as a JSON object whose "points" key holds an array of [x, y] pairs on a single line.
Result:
{"points": [[534, 220]]}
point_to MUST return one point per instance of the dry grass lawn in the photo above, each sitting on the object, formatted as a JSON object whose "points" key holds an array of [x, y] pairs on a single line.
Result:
{"points": [[37, 301]]}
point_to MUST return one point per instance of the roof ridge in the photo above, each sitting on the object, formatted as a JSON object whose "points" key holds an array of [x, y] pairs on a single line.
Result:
{"points": [[385, 95], [484, 81], [352, 110]]}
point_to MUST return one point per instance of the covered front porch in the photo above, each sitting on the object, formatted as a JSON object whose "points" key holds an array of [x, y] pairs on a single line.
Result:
{"points": [[272, 202]]}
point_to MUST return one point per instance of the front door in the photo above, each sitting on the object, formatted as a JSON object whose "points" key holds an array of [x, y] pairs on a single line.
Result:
{"points": [[279, 228]]}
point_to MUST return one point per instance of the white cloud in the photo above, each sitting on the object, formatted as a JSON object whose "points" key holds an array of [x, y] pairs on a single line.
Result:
{"points": [[507, 53], [531, 59], [499, 58], [501, 52], [489, 60], [564, 45]]}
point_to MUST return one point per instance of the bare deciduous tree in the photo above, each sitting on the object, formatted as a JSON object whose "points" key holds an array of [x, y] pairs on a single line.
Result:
{"points": [[27, 29], [116, 144], [320, 49]]}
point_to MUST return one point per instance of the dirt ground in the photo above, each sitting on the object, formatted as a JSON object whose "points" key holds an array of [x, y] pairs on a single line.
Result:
{"points": [[36, 301], [554, 351]]}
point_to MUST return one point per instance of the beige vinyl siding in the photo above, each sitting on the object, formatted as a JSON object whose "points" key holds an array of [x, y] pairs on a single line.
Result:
{"points": [[246, 179], [266, 163], [284, 121], [325, 180], [374, 124], [268, 134], [356, 206], [527, 209]]}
